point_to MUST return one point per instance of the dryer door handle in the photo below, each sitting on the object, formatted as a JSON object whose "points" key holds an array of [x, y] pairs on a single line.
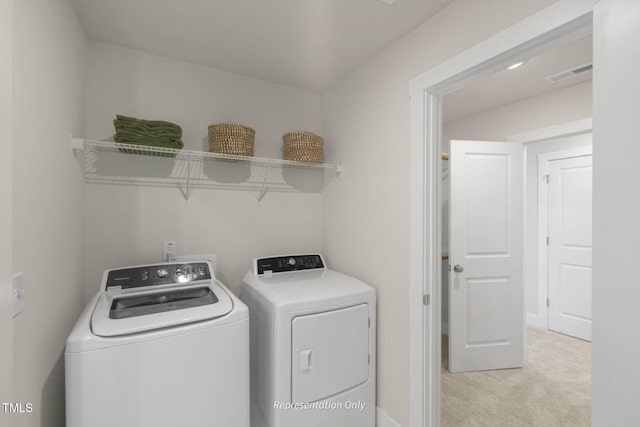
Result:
{"points": [[305, 360]]}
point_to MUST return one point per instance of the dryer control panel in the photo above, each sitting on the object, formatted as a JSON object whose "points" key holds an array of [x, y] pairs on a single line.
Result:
{"points": [[286, 263], [160, 274]]}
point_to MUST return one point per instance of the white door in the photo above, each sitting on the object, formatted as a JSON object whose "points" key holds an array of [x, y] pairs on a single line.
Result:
{"points": [[570, 246], [485, 253]]}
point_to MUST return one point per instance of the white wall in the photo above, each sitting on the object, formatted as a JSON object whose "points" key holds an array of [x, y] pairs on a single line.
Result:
{"points": [[48, 200], [616, 197], [553, 108], [126, 224], [366, 214], [6, 126], [560, 106]]}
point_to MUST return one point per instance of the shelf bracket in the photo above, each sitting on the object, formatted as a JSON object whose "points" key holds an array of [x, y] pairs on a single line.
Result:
{"points": [[263, 190], [186, 192], [77, 144], [188, 180]]}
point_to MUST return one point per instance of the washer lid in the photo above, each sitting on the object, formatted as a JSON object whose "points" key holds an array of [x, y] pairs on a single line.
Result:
{"points": [[133, 312]]}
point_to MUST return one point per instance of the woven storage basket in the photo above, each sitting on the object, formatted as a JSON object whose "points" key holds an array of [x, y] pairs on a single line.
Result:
{"points": [[231, 138], [303, 147]]}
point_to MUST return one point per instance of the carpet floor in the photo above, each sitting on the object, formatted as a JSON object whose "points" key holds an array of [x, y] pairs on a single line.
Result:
{"points": [[553, 388]]}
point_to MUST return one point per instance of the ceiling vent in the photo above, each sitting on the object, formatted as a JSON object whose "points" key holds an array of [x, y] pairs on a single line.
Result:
{"points": [[567, 74]]}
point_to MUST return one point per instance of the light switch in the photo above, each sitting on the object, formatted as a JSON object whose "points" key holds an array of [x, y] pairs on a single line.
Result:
{"points": [[18, 294], [169, 251]]}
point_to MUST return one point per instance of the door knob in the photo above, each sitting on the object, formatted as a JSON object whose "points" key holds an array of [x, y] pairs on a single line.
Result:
{"points": [[458, 268]]}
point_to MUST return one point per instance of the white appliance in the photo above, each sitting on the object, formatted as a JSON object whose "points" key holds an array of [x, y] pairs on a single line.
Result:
{"points": [[159, 346], [313, 341]]}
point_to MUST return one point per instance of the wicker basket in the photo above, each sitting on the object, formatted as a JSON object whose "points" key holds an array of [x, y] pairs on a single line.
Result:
{"points": [[231, 138], [303, 147]]}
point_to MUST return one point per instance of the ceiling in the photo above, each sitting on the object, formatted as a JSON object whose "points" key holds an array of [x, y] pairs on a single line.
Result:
{"points": [[510, 86], [303, 43]]}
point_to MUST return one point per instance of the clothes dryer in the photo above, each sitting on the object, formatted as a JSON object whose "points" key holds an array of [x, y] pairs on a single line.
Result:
{"points": [[313, 341]]}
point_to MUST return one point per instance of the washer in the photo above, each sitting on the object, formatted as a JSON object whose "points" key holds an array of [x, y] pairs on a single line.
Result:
{"points": [[160, 345], [313, 341]]}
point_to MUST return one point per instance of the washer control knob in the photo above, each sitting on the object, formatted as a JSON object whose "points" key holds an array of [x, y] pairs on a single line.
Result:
{"points": [[291, 262], [162, 273]]}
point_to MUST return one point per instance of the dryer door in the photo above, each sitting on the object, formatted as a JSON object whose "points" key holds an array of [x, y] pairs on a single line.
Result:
{"points": [[330, 353]]}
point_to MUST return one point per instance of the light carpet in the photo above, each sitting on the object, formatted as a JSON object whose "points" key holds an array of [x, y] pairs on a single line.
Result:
{"points": [[553, 388]]}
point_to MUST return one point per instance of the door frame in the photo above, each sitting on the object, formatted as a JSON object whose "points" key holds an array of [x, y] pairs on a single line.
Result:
{"points": [[531, 137], [561, 22], [542, 320], [6, 193]]}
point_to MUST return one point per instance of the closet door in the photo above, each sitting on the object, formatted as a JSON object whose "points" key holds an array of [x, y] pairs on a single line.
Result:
{"points": [[485, 283]]}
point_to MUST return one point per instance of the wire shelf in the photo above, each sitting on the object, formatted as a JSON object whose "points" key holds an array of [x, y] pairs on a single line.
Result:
{"points": [[110, 162]]}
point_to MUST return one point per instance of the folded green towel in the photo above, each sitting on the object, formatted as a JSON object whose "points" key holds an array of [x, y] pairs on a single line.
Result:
{"points": [[152, 133], [162, 138], [129, 119], [151, 142], [150, 125], [148, 130]]}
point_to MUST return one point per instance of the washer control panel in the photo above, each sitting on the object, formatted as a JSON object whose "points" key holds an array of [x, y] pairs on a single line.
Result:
{"points": [[161, 274], [286, 263]]}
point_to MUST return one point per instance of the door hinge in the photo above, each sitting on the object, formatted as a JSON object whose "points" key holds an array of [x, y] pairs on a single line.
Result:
{"points": [[548, 240], [547, 302], [369, 359], [546, 178], [369, 322], [426, 299]]}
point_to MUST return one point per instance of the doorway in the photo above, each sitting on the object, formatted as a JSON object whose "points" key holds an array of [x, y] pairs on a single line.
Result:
{"points": [[559, 23], [565, 241], [491, 203], [513, 395]]}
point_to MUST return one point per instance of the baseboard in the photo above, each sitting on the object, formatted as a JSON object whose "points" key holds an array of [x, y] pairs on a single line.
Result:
{"points": [[535, 321], [445, 328], [384, 420]]}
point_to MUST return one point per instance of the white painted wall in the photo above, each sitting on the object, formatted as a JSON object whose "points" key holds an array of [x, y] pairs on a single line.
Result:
{"points": [[366, 215], [126, 225], [560, 106], [48, 199], [6, 133], [616, 196]]}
